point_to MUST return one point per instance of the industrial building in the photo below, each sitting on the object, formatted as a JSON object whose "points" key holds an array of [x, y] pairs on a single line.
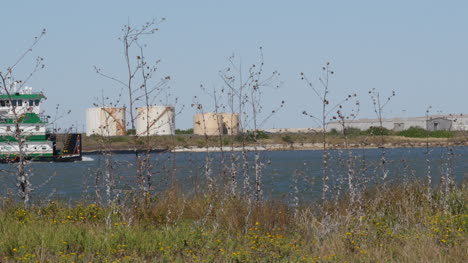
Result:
{"points": [[155, 120], [105, 121], [216, 124], [432, 123]]}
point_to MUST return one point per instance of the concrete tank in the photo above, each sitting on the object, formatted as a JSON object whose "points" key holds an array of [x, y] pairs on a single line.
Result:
{"points": [[155, 120], [207, 124], [230, 123], [105, 121]]}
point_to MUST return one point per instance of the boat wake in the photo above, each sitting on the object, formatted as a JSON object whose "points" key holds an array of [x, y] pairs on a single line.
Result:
{"points": [[87, 159]]}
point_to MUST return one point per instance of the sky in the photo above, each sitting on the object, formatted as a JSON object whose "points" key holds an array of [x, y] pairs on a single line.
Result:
{"points": [[416, 48]]}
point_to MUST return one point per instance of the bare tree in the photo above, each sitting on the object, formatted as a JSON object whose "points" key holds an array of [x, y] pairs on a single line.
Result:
{"points": [[322, 91], [379, 106], [343, 118], [142, 87], [9, 85], [245, 90]]}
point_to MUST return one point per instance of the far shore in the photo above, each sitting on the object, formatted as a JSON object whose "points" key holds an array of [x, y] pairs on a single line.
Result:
{"points": [[281, 147], [307, 146]]}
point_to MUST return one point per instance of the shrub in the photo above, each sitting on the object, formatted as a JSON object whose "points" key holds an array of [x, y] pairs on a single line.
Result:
{"points": [[188, 131], [418, 132], [287, 139], [378, 131], [414, 132], [119, 139], [262, 135], [131, 132], [352, 131], [441, 134], [251, 137], [333, 132]]}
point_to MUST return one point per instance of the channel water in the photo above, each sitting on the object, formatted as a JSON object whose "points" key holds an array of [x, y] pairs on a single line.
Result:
{"points": [[284, 173]]}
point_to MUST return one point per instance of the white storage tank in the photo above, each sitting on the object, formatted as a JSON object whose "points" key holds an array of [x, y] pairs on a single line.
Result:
{"points": [[105, 121], [207, 124], [155, 120]]}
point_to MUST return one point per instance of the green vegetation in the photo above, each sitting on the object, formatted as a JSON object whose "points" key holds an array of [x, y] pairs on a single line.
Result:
{"points": [[412, 132], [251, 136], [287, 139], [188, 131], [416, 132], [131, 132], [378, 131], [397, 224], [120, 139], [354, 132], [334, 137]]}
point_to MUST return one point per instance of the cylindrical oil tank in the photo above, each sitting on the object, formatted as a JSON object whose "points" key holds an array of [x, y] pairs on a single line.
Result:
{"points": [[207, 124], [105, 121], [230, 123], [155, 120]]}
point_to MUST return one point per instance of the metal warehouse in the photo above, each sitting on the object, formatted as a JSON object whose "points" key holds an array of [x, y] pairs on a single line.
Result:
{"points": [[454, 122]]}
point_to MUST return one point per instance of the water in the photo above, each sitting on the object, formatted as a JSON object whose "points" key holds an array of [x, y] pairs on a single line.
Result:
{"points": [[283, 171]]}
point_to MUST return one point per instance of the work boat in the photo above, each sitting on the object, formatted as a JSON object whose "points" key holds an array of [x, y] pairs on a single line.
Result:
{"points": [[22, 110]]}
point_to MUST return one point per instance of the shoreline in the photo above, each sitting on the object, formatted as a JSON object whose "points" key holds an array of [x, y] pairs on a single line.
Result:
{"points": [[309, 147], [281, 147]]}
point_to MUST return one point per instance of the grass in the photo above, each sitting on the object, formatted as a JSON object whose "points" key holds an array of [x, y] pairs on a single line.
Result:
{"points": [[416, 132], [392, 224]]}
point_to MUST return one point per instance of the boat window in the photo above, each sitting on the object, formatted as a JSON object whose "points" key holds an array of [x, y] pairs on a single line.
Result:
{"points": [[14, 103], [44, 148], [2, 103], [31, 103], [37, 128], [20, 103], [8, 128], [36, 102]]}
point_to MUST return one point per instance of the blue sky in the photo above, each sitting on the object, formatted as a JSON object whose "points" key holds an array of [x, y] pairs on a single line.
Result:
{"points": [[416, 48]]}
